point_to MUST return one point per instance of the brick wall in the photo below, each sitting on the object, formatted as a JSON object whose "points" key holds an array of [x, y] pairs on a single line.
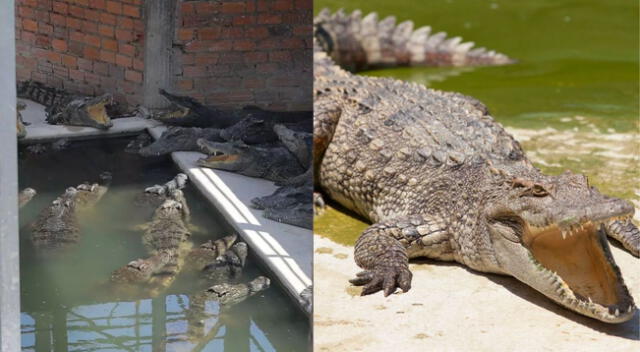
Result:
{"points": [[226, 52], [245, 52], [84, 46]]}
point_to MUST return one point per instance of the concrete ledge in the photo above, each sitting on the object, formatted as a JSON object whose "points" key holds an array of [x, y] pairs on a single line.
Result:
{"points": [[286, 250], [39, 131]]}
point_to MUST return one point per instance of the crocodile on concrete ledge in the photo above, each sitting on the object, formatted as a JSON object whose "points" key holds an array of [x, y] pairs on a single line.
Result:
{"points": [[439, 178], [63, 108]]}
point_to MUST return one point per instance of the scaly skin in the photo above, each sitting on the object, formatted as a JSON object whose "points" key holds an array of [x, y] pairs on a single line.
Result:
{"points": [[273, 163], [179, 139], [57, 225], [66, 109], [439, 178]]}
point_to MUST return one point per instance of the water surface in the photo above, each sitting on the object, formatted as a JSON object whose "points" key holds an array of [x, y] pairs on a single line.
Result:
{"points": [[63, 302]]}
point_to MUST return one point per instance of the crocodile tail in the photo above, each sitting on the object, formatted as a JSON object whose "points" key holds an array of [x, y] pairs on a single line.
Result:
{"points": [[41, 94], [356, 42]]}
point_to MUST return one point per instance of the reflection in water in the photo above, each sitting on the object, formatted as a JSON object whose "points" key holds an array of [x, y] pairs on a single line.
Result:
{"points": [[145, 325], [64, 302]]}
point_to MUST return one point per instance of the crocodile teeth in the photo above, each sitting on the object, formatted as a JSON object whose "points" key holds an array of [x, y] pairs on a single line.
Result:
{"points": [[617, 311], [564, 235], [629, 309], [590, 301]]}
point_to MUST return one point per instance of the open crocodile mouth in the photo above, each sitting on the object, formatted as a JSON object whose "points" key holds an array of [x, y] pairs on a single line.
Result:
{"points": [[221, 158], [98, 113], [178, 112], [582, 268]]}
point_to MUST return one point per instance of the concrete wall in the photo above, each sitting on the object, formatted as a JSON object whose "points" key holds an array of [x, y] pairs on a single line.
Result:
{"points": [[228, 53]]}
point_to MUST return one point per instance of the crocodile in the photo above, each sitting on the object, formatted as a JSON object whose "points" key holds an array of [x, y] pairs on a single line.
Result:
{"points": [[63, 108], [271, 162], [257, 130], [177, 138], [25, 196], [166, 239], [155, 195], [188, 112], [439, 178]]}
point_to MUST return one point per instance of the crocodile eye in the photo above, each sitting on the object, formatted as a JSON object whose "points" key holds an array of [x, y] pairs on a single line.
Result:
{"points": [[539, 191]]}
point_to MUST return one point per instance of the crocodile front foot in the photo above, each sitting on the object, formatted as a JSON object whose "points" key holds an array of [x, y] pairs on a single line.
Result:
{"points": [[384, 277]]}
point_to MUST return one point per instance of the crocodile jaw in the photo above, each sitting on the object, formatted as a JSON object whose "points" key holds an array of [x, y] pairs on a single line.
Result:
{"points": [[573, 266]]}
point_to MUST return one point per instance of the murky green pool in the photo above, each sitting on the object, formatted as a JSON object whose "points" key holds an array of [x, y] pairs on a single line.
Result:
{"points": [[573, 98], [63, 307]]}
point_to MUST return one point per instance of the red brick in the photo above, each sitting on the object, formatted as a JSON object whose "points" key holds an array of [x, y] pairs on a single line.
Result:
{"points": [[243, 45], [91, 40], [209, 33], [101, 68], [108, 56], [267, 67], [114, 7], [133, 76], [187, 8], [185, 84], [45, 28], [30, 25], [131, 11], [185, 35], [86, 65], [233, 7], [243, 20], [204, 8], [302, 30], [89, 27], [76, 75], [59, 45], [74, 23], [58, 20], [99, 4], [75, 48], [53, 57], [91, 15], [28, 37], [304, 4], [279, 56], [76, 11], [125, 23], [91, 53], [107, 18], [43, 41], [206, 59], [282, 5], [257, 32], [109, 44], [253, 83], [123, 61], [255, 57], [125, 36], [126, 49], [138, 64], [106, 31], [269, 19], [76, 36], [84, 3], [69, 61], [195, 71], [26, 12]]}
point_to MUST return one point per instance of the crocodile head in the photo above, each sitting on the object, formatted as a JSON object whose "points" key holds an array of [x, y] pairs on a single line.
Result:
{"points": [[550, 233], [88, 111], [233, 156], [229, 294], [251, 130]]}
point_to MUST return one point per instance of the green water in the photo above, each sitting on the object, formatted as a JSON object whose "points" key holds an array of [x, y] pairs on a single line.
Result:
{"points": [[64, 305], [576, 79]]}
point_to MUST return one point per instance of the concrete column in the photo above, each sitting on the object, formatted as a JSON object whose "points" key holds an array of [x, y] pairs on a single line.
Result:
{"points": [[9, 249], [159, 32]]}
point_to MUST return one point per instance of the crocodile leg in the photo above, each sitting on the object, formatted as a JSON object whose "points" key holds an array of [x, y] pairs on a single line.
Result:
{"points": [[383, 250], [627, 233]]}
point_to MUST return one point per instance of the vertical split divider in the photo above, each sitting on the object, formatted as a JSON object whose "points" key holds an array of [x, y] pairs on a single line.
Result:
{"points": [[9, 238], [158, 50]]}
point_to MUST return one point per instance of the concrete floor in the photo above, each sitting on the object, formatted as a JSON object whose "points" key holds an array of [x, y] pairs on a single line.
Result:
{"points": [[451, 308]]}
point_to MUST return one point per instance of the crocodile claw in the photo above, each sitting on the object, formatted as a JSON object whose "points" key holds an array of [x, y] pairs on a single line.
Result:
{"points": [[385, 278]]}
